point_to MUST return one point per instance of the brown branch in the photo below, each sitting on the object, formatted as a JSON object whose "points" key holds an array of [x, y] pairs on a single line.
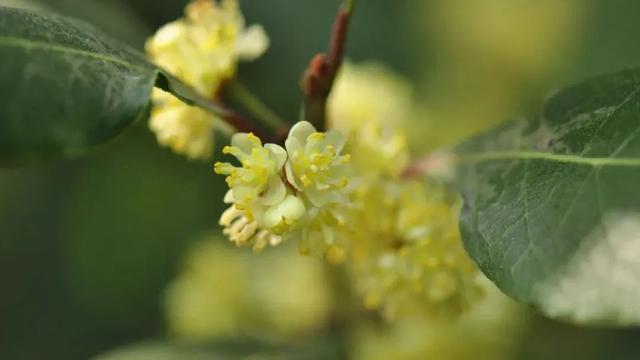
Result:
{"points": [[316, 84], [338, 41], [317, 80]]}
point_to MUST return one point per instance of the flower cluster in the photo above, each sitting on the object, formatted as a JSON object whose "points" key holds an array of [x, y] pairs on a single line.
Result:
{"points": [[413, 262], [217, 287], [277, 193], [369, 104], [185, 129], [491, 330], [399, 237], [202, 49], [406, 252]]}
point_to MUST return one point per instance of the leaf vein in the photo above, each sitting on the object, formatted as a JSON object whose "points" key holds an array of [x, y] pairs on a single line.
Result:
{"points": [[536, 155], [30, 44]]}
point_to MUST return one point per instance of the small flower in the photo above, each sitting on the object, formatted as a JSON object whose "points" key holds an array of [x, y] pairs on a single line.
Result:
{"points": [[205, 300], [368, 92], [203, 48], [262, 207], [258, 181], [315, 166], [369, 104], [323, 232], [416, 262], [185, 129], [242, 230], [284, 215], [217, 287], [299, 193]]}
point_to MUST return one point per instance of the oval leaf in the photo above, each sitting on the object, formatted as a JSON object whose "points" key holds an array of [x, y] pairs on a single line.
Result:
{"points": [[552, 210], [65, 86]]}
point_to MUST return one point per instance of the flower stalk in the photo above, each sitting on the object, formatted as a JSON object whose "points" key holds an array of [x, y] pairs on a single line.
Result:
{"points": [[258, 109]]}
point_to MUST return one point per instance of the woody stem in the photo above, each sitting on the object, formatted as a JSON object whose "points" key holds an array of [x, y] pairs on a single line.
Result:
{"points": [[317, 80]]}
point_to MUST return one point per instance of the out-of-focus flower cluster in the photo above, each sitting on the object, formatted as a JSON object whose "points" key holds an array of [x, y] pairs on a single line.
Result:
{"points": [[202, 49], [492, 330], [406, 254], [412, 262], [224, 292]]}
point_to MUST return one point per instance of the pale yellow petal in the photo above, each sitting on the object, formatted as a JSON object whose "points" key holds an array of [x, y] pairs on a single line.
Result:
{"points": [[252, 43]]}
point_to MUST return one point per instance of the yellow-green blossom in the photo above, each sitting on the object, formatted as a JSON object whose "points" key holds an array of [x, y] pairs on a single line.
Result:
{"points": [[406, 255], [203, 48], [368, 92], [205, 300], [222, 292], [370, 104], [185, 129], [315, 167], [244, 230], [493, 330], [323, 232], [412, 262], [258, 179], [299, 193], [293, 294], [262, 207]]}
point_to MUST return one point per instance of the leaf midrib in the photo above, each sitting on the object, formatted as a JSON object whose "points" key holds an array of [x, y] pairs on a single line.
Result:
{"points": [[536, 155], [31, 44]]}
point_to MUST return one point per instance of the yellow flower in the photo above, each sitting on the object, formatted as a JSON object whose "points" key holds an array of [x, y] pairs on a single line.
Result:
{"points": [[299, 193], [414, 263], [315, 167], [292, 293], [368, 92], [204, 47], [283, 216], [185, 129], [323, 232], [491, 331], [205, 300], [221, 292], [370, 105], [243, 230], [262, 207], [258, 179]]}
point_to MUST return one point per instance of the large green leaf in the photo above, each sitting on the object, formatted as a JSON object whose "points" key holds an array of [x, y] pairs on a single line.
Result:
{"points": [[65, 86], [552, 206]]}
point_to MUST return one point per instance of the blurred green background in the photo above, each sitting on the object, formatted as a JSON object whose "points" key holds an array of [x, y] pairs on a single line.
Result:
{"points": [[87, 246]]}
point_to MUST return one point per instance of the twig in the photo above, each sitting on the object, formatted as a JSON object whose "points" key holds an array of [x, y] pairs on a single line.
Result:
{"points": [[317, 80]]}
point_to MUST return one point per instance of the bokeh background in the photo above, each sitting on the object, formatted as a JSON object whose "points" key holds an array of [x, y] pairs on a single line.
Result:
{"points": [[88, 246]]}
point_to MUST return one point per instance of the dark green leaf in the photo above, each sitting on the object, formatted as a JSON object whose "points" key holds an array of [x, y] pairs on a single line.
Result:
{"points": [[552, 209], [65, 86]]}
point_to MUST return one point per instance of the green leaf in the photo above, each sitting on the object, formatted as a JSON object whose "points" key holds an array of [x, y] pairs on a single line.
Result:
{"points": [[65, 86], [552, 206]]}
